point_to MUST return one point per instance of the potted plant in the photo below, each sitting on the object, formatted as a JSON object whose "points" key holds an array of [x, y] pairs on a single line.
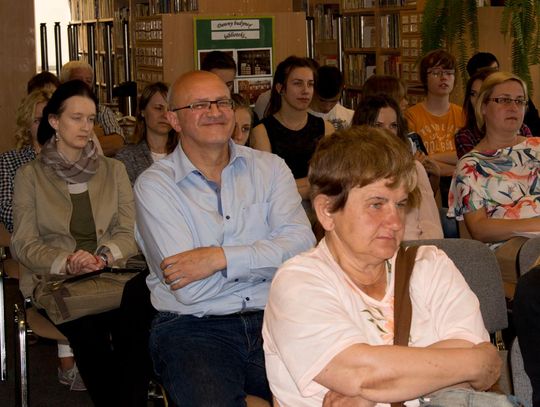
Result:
{"points": [[452, 25], [519, 20]]}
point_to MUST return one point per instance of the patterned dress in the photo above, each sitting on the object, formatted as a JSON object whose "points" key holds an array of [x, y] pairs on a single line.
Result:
{"points": [[505, 182]]}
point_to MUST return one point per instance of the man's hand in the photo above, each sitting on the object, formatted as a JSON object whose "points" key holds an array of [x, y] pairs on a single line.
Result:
{"points": [[197, 264], [333, 399]]}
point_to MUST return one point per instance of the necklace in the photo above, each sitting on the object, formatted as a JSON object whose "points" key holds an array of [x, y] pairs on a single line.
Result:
{"points": [[292, 126]]}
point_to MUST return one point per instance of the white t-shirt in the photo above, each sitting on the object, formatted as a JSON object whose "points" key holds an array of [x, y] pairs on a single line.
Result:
{"points": [[339, 116], [315, 312]]}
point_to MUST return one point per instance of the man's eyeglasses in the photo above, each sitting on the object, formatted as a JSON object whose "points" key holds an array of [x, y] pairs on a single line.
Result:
{"points": [[222, 104], [508, 101], [437, 73]]}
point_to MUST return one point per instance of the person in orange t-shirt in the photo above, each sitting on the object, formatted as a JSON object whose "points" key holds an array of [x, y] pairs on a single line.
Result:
{"points": [[435, 119]]}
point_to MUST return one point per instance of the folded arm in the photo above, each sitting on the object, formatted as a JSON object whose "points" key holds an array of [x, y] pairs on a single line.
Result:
{"points": [[396, 373], [489, 230]]}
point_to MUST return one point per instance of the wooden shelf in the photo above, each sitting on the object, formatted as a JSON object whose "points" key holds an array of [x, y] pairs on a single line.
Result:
{"points": [[373, 41]]}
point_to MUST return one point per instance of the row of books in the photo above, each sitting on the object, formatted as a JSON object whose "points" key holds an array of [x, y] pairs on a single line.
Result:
{"points": [[389, 31], [358, 67], [165, 6], [326, 16], [91, 9], [151, 56], [358, 31], [358, 4], [391, 65]]}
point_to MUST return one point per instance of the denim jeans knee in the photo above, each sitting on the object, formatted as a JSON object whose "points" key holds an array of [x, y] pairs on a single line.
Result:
{"points": [[468, 398]]}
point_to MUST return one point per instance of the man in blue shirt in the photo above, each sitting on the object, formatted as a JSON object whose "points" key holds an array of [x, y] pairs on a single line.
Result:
{"points": [[214, 221]]}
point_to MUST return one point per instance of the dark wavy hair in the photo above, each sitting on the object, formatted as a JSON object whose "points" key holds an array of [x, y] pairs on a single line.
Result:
{"points": [[281, 75], [367, 111], [139, 135], [56, 106], [468, 108]]}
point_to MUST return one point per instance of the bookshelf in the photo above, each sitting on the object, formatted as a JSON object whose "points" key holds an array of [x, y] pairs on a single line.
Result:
{"points": [[93, 22], [164, 43], [325, 15], [378, 37]]}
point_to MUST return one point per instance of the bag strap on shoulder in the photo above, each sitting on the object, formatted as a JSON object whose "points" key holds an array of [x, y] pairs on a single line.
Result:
{"points": [[405, 261]]}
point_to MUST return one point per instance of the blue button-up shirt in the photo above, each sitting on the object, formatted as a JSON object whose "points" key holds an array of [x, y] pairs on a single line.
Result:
{"points": [[255, 216]]}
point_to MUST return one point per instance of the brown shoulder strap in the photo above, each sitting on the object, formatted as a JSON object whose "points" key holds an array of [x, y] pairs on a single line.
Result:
{"points": [[402, 301]]}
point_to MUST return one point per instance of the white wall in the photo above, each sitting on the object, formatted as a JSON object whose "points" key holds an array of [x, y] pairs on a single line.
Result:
{"points": [[49, 12]]}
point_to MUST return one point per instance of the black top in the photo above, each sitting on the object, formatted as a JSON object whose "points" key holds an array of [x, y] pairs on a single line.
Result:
{"points": [[295, 146]]}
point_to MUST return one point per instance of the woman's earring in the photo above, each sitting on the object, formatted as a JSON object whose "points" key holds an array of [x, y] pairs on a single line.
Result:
{"points": [[56, 136]]}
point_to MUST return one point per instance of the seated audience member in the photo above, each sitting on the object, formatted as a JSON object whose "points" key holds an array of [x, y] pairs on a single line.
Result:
{"points": [[42, 80], [482, 60], [395, 88], [223, 65], [214, 221], [470, 135], [496, 187], [289, 130], [325, 102], [73, 213], [329, 323], [109, 132], [526, 318], [435, 119], [244, 118], [388, 85], [422, 222], [29, 115], [154, 136]]}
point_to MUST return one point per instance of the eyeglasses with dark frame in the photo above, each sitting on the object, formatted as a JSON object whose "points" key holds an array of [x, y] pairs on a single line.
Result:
{"points": [[437, 73], [206, 104], [508, 101]]}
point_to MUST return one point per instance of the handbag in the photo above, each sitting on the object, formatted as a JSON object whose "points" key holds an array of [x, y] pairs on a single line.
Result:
{"points": [[68, 298]]}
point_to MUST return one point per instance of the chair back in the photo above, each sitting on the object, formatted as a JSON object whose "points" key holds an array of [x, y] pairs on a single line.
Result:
{"points": [[478, 265], [529, 253]]}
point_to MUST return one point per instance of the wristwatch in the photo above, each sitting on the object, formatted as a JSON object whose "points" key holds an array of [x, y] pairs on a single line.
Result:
{"points": [[103, 253]]}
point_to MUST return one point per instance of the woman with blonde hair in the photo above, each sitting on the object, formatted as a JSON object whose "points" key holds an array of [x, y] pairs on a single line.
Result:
{"points": [[244, 117], [28, 117], [496, 186]]}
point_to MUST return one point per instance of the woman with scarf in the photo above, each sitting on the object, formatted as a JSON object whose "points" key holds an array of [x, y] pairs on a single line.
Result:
{"points": [[74, 214]]}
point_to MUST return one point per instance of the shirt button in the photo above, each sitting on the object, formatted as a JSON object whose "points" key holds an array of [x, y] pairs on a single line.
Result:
{"points": [[100, 231], [227, 217], [235, 280], [264, 279], [247, 298]]}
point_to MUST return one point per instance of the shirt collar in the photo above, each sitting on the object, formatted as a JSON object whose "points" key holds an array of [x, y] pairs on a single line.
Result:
{"points": [[183, 166]]}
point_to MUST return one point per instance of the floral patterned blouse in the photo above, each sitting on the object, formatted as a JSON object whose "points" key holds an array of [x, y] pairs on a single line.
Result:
{"points": [[505, 182]]}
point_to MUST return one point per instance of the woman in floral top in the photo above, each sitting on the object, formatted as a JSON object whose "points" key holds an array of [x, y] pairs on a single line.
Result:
{"points": [[496, 187]]}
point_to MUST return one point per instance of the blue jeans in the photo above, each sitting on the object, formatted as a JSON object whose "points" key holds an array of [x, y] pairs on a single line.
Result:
{"points": [[467, 398], [209, 361]]}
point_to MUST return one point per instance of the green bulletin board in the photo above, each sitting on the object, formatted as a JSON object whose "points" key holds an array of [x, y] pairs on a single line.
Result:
{"points": [[249, 40]]}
